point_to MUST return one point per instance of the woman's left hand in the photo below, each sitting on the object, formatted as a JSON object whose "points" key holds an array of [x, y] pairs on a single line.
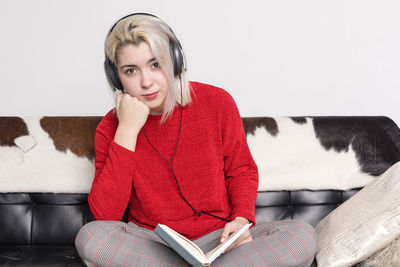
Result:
{"points": [[234, 226]]}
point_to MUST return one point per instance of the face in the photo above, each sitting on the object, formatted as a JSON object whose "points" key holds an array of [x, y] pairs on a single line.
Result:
{"points": [[142, 76]]}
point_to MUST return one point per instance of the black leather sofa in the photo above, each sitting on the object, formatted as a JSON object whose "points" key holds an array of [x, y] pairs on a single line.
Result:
{"points": [[38, 229]]}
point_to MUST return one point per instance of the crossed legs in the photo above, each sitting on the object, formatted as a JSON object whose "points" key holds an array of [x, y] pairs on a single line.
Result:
{"points": [[114, 243]]}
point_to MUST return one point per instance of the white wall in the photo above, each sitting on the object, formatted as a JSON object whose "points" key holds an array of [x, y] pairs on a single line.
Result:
{"points": [[277, 58]]}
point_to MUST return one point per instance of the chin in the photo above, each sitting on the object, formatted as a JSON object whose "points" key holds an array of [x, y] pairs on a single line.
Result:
{"points": [[155, 110]]}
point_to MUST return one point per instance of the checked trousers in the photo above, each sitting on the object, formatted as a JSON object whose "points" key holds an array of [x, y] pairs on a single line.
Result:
{"points": [[114, 243]]}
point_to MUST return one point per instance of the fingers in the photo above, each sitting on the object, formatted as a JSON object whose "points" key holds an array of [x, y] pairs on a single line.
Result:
{"points": [[226, 232], [233, 227], [245, 238], [118, 101], [131, 112]]}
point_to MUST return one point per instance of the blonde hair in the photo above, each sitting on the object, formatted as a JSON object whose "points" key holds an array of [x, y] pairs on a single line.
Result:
{"points": [[157, 34]]}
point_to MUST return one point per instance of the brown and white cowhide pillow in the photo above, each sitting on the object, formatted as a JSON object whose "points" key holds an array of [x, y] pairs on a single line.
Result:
{"points": [[47, 154], [55, 154], [318, 153]]}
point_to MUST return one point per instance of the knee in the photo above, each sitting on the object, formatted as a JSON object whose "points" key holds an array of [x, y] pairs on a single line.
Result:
{"points": [[299, 236], [307, 236], [311, 234], [92, 233]]}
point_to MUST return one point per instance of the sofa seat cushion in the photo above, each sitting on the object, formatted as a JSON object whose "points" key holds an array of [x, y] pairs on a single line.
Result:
{"points": [[39, 256]]}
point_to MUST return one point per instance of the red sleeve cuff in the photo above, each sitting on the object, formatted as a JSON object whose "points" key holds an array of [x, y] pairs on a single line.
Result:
{"points": [[247, 215]]}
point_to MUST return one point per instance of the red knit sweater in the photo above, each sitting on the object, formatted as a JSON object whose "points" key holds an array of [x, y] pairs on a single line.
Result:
{"points": [[213, 165]]}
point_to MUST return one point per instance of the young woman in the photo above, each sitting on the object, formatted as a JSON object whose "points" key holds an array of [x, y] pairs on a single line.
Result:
{"points": [[174, 152]]}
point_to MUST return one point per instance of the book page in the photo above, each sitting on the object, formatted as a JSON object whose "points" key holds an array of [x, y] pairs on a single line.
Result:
{"points": [[191, 247]]}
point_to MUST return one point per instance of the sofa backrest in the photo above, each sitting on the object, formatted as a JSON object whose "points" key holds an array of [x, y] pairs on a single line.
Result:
{"points": [[55, 219], [32, 217]]}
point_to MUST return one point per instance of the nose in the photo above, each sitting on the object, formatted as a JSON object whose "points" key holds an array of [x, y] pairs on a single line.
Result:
{"points": [[146, 81]]}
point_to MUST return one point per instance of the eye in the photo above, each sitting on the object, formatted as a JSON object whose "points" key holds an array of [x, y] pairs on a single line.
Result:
{"points": [[156, 65], [130, 71]]}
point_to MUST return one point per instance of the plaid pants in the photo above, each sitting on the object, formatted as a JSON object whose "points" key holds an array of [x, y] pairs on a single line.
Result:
{"points": [[115, 243]]}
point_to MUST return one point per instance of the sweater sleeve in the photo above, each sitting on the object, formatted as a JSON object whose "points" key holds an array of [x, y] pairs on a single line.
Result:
{"points": [[241, 172], [114, 169]]}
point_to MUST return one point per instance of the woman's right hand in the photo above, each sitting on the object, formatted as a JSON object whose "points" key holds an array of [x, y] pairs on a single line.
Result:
{"points": [[132, 114]]}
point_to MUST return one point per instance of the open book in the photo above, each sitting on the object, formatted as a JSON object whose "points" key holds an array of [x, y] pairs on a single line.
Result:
{"points": [[189, 251]]}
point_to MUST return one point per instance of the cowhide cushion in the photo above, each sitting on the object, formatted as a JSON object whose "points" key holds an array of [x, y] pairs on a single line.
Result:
{"points": [[55, 154], [47, 154]]}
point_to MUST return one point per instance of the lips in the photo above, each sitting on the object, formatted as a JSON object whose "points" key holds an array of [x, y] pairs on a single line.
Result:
{"points": [[151, 96]]}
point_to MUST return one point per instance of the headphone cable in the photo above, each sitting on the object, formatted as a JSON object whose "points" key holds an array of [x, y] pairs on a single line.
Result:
{"points": [[172, 160]]}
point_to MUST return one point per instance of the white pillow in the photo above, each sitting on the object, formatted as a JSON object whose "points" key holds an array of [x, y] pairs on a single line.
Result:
{"points": [[362, 225], [388, 257]]}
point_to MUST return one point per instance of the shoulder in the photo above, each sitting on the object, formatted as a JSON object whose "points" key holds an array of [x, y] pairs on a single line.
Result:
{"points": [[209, 93], [109, 123]]}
